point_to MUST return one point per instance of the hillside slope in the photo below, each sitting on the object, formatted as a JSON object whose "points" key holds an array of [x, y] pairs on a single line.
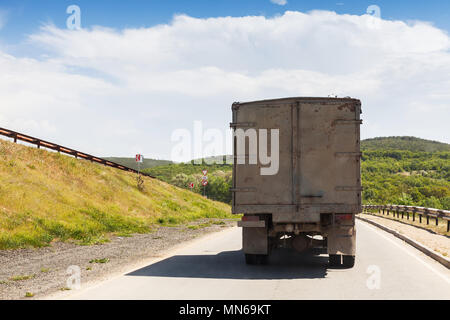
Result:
{"points": [[45, 196], [131, 162]]}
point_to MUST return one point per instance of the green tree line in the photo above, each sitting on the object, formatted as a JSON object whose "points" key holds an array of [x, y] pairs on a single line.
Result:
{"points": [[388, 177]]}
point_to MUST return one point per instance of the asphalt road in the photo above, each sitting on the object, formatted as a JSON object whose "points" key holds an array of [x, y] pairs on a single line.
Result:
{"points": [[214, 268]]}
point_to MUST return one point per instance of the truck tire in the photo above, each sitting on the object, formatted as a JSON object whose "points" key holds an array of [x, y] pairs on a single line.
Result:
{"points": [[348, 261], [256, 259], [334, 260]]}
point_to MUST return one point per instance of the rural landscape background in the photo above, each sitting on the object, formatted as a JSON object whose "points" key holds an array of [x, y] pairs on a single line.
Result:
{"points": [[87, 85], [48, 197]]}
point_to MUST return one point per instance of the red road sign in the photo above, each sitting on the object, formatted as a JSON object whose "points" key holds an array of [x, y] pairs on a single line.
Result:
{"points": [[204, 182], [205, 172], [139, 158], [191, 185]]}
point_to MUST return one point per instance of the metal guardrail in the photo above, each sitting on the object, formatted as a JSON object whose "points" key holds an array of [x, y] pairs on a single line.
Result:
{"points": [[411, 210], [53, 146]]}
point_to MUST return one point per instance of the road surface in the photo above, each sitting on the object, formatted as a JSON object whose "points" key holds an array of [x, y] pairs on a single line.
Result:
{"points": [[214, 268]]}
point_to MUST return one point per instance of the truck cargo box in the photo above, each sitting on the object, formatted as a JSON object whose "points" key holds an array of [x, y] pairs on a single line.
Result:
{"points": [[319, 159]]}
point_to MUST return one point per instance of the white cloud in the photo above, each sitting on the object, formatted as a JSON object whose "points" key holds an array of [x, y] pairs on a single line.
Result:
{"points": [[103, 90], [279, 2]]}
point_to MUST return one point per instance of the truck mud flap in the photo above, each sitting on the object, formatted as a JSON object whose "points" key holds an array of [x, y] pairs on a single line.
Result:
{"points": [[342, 240], [255, 240]]}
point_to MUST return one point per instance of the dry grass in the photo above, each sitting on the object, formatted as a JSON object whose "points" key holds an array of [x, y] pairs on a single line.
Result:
{"points": [[45, 197]]}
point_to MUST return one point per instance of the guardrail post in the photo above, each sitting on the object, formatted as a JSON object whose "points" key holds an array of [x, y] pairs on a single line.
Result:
{"points": [[428, 213], [15, 137]]}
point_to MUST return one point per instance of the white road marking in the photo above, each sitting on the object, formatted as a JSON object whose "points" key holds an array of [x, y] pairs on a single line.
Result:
{"points": [[380, 233]]}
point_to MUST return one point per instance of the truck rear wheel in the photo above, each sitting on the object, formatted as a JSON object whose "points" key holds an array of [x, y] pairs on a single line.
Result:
{"points": [[255, 259], [348, 261]]}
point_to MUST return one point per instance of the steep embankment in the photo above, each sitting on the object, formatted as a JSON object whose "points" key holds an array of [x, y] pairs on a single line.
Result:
{"points": [[45, 196]]}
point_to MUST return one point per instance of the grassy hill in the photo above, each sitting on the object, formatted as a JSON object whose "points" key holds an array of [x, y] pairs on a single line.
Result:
{"points": [[394, 170], [46, 196], [131, 162], [404, 143]]}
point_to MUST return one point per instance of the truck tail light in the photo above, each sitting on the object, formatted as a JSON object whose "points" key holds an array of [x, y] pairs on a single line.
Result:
{"points": [[343, 217], [250, 218]]}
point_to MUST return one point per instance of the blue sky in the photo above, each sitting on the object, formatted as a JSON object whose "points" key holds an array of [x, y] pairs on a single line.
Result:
{"points": [[131, 88], [25, 16]]}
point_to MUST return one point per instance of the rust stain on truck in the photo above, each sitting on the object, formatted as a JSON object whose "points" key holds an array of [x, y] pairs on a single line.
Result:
{"points": [[349, 106], [313, 198]]}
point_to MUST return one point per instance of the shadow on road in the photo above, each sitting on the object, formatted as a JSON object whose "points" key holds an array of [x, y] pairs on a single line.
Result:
{"points": [[283, 264]]}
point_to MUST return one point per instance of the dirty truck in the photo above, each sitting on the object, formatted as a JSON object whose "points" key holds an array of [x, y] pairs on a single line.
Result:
{"points": [[309, 198]]}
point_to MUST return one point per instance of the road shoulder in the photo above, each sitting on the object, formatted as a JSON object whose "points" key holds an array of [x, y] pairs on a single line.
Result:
{"points": [[43, 272], [434, 245]]}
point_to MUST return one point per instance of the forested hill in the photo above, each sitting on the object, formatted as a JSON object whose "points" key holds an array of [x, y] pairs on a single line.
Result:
{"points": [[395, 170], [404, 143]]}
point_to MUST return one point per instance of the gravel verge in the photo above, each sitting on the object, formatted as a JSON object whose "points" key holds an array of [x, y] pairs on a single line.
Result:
{"points": [[43, 271]]}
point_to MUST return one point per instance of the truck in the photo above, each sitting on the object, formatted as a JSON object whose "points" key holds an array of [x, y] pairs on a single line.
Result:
{"points": [[296, 176]]}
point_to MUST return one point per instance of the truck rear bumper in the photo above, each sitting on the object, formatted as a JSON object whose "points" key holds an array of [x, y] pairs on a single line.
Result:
{"points": [[252, 224]]}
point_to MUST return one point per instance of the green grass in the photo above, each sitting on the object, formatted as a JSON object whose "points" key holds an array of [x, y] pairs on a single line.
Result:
{"points": [[22, 277], [104, 260], [131, 162], [199, 226], [47, 197]]}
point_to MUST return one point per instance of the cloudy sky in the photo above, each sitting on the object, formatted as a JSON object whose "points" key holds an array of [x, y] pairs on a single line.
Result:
{"points": [[137, 71]]}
